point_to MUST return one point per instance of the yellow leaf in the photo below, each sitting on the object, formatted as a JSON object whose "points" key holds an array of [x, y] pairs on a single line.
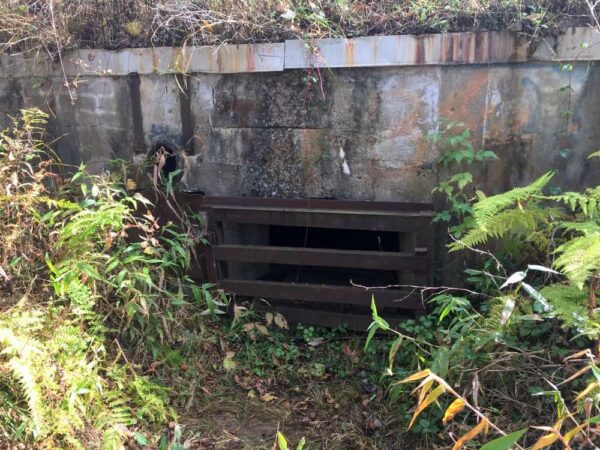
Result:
{"points": [[545, 441], [575, 375], [416, 376], [470, 435], [432, 397], [425, 388], [587, 353], [229, 364], [455, 407], [267, 397], [587, 390], [572, 433]]}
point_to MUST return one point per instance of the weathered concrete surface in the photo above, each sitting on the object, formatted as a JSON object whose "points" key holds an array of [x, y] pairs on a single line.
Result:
{"points": [[575, 44], [348, 133]]}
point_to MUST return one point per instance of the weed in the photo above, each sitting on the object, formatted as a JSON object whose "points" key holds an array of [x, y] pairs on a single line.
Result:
{"points": [[96, 292]]}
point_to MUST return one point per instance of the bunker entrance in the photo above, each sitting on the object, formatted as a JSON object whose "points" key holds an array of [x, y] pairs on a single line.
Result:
{"points": [[307, 257], [333, 239]]}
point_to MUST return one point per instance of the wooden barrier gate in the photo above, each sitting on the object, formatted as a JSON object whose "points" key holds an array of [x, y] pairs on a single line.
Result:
{"points": [[319, 261]]}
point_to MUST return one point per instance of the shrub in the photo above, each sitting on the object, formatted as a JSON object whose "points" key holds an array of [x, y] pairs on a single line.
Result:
{"points": [[92, 288]]}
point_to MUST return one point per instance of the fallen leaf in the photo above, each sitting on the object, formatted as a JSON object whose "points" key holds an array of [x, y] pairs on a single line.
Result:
{"points": [[374, 424], [328, 398], [280, 321], [352, 354], [315, 342], [229, 364], [269, 318], [261, 329], [267, 397]]}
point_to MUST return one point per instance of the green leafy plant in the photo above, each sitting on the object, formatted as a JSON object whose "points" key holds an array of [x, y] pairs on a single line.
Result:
{"points": [[456, 154], [281, 443], [93, 289]]}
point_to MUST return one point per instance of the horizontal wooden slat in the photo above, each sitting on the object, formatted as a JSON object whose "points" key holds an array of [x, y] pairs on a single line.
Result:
{"points": [[322, 293], [350, 220], [322, 257]]}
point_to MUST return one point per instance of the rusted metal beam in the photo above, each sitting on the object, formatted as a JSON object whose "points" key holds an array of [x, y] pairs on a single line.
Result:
{"points": [[322, 293], [322, 257]]}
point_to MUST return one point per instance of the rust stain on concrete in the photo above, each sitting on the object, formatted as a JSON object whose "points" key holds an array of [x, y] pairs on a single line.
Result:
{"points": [[349, 52]]}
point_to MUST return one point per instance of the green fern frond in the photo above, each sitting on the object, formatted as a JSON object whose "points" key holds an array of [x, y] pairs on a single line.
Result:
{"points": [[570, 305], [22, 354], [580, 257], [486, 208], [514, 221], [111, 440], [587, 228], [588, 202]]}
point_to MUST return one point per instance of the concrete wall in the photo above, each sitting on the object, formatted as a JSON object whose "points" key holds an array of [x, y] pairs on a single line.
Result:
{"points": [[348, 122]]}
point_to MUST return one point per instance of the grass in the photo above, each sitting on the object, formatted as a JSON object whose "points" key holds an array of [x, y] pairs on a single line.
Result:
{"points": [[52, 26]]}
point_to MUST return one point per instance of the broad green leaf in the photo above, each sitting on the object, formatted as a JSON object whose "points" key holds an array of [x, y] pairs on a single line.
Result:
{"points": [[505, 442], [140, 439]]}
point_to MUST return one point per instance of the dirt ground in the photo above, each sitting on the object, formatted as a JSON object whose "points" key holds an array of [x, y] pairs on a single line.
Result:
{"points": [[334, 414]]}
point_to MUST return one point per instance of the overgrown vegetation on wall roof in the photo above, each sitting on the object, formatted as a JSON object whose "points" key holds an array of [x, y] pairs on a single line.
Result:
{"points": [[53, 25]]}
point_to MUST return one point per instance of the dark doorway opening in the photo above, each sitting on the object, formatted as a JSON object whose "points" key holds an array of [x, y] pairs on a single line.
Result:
{"points": [[334, 239]]}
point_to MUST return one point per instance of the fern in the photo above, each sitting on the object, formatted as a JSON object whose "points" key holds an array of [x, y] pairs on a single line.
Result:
{"points": [[486, 208], [518, 221], [587, 202], [111, 440], [569, 303], [22, 353], [580, 256]]}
